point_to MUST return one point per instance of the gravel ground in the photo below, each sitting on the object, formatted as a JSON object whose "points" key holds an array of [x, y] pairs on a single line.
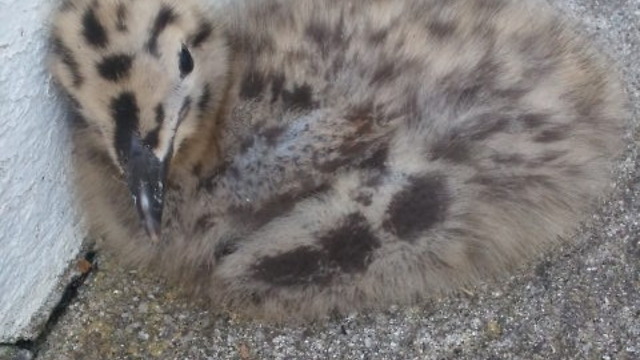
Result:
{"points": [[581, 301]]}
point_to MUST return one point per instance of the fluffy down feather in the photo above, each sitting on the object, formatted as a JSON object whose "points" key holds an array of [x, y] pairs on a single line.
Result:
{"points": [[335, 155]]}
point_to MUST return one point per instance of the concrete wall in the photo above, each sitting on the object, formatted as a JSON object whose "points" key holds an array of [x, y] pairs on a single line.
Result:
{"points": [[39, 230]]}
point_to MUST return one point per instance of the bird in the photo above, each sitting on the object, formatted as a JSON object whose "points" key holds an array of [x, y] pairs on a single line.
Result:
{"points": [[293, 159]]}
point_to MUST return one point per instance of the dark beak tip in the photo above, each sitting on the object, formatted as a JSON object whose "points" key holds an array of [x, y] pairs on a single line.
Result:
{"points": [[154, 234], [152, 221], [146, 177]]}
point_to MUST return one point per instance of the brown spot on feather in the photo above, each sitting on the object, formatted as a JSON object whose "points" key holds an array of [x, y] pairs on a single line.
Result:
{"points": [[68, 59], [93, 31], [557, 133], [468, 97], [226, 247], [252, 85], [451, 149], [550, 156], [319, 33], [272, 134], [348, 248], [364, 198], [204, 32], [486, 126], [297, 267], [533, 120], [115, 67], [165, 17], [419, 206], [300, 98], [121, 18], [376, 160], [441, 29], [378, 36], [327, 36], [384, 73], [205, 98]]}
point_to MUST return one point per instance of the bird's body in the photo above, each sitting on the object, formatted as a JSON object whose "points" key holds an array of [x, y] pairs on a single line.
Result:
{"points": [[334, 155]]}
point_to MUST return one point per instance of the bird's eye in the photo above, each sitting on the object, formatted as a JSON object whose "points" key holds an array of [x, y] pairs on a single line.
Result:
{"points": [[186, 61]]}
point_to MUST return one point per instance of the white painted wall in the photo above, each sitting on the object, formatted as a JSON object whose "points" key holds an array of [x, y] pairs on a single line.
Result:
{"points": [[39, 230]]}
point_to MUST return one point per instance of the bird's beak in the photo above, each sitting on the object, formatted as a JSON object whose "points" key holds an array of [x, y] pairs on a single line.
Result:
{"points": [[146, 178]]}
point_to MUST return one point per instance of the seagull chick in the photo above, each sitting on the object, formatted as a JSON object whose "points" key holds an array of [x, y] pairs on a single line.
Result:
{"points": [[292, 158]]}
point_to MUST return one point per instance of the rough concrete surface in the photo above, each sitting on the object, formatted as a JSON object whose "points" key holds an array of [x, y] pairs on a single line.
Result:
{"points": [[39, 229], [15, 353], [580, 301]]}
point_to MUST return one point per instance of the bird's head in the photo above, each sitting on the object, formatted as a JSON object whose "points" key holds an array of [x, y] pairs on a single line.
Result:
{"points": [[145, 75]]}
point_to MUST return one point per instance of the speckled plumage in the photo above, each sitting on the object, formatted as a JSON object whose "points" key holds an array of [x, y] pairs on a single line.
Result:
{"points": [[332, 155]]}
